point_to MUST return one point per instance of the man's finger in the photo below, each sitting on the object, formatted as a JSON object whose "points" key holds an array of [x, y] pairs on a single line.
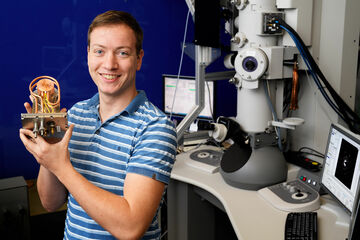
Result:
{"points": [[68, 134], [27, 139], [28, 107]]}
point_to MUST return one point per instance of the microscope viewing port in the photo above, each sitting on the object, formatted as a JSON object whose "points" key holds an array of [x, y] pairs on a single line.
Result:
{"points": [[45, 119]]}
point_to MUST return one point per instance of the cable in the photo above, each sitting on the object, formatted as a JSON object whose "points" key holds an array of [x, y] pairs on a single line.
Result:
{"points": [[180, 64], [277, 130], [316, 153], [342, 106], [337, 104], [320, 87], [42, 96], [210, 103]]}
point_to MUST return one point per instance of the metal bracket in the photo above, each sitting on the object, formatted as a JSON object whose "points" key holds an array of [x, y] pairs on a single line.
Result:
{"points": [[48, 125]]}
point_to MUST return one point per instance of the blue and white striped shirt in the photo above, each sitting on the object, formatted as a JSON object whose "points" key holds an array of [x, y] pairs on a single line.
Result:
{"points": [[139, 140]]}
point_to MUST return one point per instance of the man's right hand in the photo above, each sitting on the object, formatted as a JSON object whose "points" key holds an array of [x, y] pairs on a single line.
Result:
{"points": [[29, 108]]}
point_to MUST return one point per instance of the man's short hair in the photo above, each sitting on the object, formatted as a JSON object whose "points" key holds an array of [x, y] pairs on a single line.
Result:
{"points": [[114, 17]]}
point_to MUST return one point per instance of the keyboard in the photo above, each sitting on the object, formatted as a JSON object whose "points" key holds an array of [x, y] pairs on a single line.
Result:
{"points": [[301, 225]]}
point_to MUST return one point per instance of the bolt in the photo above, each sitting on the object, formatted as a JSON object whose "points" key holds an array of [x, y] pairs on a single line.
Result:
{"points": [[234, 80], [235, 2], [235, 40]]}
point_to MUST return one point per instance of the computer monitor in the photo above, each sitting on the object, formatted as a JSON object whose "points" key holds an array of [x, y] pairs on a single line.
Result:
{"points": [[185, 96], [341, 169]]}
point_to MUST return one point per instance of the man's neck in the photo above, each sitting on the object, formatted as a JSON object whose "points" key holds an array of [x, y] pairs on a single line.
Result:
{"points": [[109, 106]]}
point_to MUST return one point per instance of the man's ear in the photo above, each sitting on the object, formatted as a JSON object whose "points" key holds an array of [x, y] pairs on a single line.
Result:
{"points": [[139, 59]]}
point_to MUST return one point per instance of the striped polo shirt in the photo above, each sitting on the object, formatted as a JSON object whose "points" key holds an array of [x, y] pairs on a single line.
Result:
{"points": [[139, 140]]}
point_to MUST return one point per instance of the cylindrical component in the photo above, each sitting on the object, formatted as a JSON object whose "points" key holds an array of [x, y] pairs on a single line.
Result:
{"points": [[251, 63], [45, 97], [219, 132], [253, 112], [35, 129], [42, 128]]}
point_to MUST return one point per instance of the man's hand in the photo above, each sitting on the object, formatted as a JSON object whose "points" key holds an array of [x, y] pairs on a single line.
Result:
{"points": [[54, 157], [29, 108]]}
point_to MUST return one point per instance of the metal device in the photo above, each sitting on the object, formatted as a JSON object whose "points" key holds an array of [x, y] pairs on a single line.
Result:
{"points": [[260, 49], [46, 119]]}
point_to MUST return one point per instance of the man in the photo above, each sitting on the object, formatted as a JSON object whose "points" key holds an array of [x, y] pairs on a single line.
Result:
{"points": [[115, 159]]}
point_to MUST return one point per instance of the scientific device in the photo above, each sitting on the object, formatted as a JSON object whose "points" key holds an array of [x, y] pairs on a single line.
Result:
{"points": [[340, 177], [258, 51], [299, 195], [341, 169], [179, 95], [269, 43], [45, 119]]}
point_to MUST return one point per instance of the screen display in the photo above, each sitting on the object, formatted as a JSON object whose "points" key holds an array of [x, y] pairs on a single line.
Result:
{"points": [[184, 100], [341, 169]]}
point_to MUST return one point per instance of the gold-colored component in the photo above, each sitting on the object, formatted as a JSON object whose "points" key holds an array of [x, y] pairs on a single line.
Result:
{"points": [[295, 88], [46, 98], [46, 119]]}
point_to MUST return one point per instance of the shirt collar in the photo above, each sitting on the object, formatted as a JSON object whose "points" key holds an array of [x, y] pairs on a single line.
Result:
{"points": [[139, 99]]}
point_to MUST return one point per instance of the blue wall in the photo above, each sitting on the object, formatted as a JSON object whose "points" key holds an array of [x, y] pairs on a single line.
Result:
{"points": [[43, 37]]}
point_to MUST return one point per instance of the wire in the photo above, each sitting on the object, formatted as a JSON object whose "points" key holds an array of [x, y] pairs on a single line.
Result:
{"points": [[346, 111], [351, 118], [210, 103], [320, 87], [41, 98], [180, 64], [277, 130], [316, 153]]}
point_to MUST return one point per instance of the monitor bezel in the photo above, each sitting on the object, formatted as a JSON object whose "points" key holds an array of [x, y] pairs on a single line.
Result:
{"points": [[191, 78], [350, 135], [355, 217]]}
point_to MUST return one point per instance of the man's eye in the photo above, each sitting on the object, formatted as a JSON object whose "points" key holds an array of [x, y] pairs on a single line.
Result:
{"points": [[99, 52], [123, 54]]}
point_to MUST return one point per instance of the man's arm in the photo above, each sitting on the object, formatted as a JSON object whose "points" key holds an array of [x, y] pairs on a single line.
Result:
{"points": [[51, 191], [126, 217]]}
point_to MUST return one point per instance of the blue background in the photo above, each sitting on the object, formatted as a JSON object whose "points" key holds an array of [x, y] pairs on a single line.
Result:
{"points": [[42, 37]]}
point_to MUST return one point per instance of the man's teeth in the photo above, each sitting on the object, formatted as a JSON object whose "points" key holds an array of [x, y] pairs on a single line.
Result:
{"points": [[109, 77]]}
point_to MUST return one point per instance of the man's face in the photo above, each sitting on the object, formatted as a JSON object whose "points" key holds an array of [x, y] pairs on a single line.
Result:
{"points": [[112, 59]]}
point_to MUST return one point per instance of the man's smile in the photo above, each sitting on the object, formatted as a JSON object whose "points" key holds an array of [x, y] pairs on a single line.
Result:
{"points": [[109, 77]]}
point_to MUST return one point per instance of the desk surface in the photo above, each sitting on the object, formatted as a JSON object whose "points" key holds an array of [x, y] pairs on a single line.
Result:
{"points": [[250, 215]]}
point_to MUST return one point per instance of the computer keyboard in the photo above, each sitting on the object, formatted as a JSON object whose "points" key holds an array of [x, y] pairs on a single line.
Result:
{"points": [[301, 225]]}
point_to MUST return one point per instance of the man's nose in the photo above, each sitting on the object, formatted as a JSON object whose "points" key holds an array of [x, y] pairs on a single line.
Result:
{"points": [[111, 61]]}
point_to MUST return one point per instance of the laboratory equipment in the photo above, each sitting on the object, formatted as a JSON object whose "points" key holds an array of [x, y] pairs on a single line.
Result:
{"points": [[45, 119], [269, 43], [340, 177], [179, 95], [299, 195], [341, 170]]}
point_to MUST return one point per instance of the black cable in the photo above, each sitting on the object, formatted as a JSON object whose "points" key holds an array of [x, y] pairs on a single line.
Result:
{"points": [[349, 116], [333, 93], [313, 152]]}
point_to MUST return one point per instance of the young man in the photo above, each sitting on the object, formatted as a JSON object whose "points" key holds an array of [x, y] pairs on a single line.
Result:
{"points": [[115, 159]]}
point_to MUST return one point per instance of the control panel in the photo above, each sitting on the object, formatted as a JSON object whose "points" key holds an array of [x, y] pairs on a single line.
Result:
{"points": [[293, 196]]}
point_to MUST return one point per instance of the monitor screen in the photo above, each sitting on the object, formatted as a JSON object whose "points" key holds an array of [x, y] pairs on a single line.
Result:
{"points": [[185, 96], [341, 169]]}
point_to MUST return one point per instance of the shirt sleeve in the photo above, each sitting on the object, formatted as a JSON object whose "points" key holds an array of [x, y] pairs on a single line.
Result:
{"points": [[155, 150]]}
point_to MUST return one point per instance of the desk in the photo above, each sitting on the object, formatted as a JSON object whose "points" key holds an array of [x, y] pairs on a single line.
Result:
{"points": [[251, 217]]}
